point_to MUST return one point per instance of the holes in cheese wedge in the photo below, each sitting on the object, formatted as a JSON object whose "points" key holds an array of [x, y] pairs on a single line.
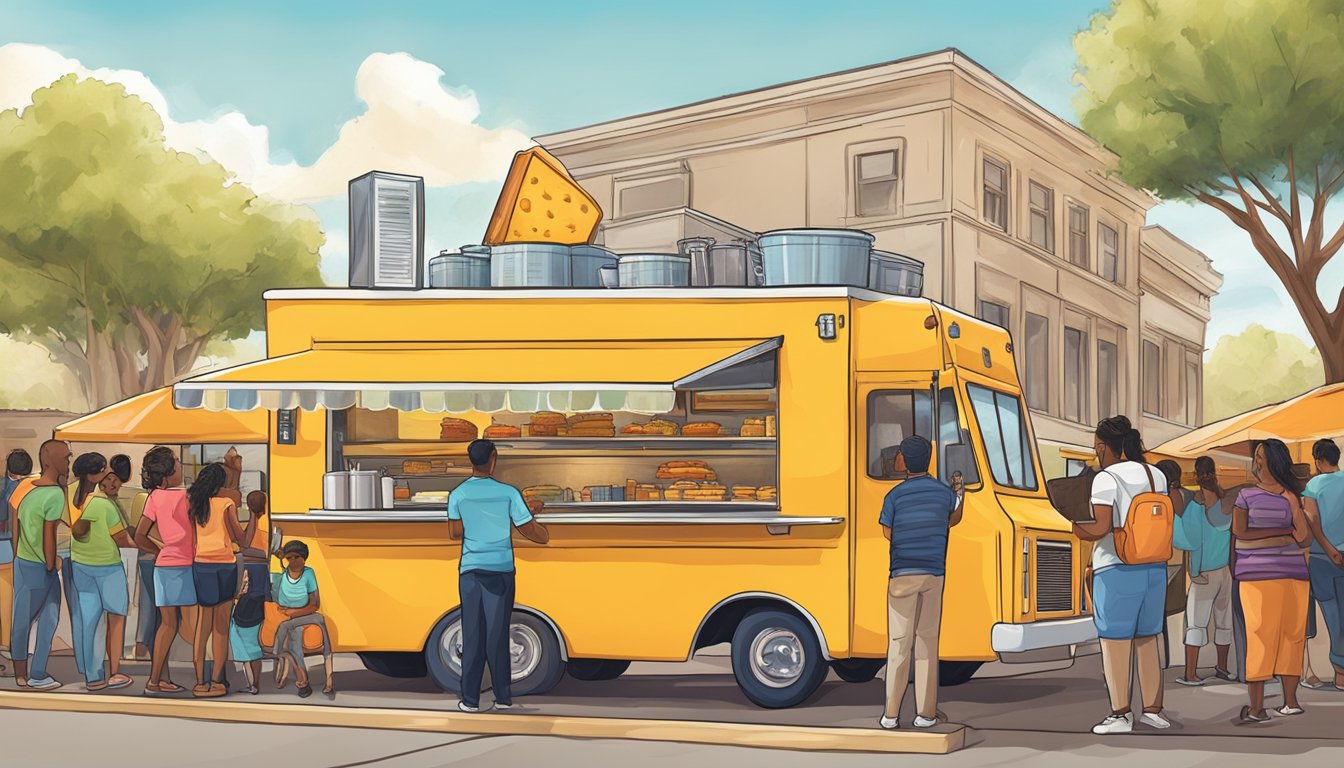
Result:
{"points": [[550, 215], [583, 207], [568, 199], [534, 179], [545, 195], [525, 205]]}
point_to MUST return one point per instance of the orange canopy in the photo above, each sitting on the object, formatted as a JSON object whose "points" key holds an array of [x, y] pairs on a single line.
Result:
{"points": [[1311, 416], [151, 418]]}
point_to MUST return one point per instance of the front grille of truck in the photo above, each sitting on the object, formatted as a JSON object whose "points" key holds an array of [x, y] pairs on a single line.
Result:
{"points": [[1054, 576]]}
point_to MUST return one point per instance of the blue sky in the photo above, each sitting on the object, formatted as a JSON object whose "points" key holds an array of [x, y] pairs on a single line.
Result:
{"points": [[540, 67]]}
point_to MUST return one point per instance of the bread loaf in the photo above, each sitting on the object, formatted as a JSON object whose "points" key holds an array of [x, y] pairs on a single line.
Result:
{"points": [[702, 429]]}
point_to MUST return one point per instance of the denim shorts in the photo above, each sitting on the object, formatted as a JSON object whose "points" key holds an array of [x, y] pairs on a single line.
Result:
{"points": [[1129, 601], [108, 582], [216, 583], [173, 586]]}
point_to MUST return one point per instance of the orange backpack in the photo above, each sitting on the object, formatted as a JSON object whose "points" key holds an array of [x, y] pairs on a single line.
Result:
{"points": [[1146, 535]]}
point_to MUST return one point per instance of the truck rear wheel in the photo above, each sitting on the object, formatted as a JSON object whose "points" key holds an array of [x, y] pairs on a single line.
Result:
{"points": [[777, 659], [534, 652], [394, 663], [596, 669], [957, 672], [857, 670]]}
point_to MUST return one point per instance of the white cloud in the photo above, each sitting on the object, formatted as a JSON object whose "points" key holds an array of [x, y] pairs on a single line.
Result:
{"points": [[411, 124]]}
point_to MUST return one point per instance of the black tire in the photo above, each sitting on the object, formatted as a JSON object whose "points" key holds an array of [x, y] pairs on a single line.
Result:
{"points": [[543, 672], [857, 670], [592, 670], [404, 664], [800, 667], [957, 672]]}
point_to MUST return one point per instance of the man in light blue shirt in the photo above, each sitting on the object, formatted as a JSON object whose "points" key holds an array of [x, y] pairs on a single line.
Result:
{"points": [[1324, 504], [1203, 531], [482, 513]]}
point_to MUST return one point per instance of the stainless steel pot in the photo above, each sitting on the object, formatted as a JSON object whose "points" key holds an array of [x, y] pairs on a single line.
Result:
{"points": [[365, 489], [586, 264], [729, 265], [336, 490], [610, 276], [894, 273], [459, 270], [654, 270], [530, 265], [816, 256]]}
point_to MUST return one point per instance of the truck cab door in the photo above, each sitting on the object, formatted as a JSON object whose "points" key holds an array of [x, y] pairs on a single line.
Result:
{"points": [[889, 408]]}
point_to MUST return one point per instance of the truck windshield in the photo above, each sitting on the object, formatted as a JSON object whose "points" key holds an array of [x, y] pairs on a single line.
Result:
{"points": [[1003, 430]]}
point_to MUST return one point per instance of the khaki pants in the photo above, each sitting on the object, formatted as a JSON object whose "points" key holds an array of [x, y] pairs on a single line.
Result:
{"points": [[914, 610]]}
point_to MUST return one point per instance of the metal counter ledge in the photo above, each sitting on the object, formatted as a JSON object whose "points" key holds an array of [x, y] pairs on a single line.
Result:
{"points": [[695, 513]]}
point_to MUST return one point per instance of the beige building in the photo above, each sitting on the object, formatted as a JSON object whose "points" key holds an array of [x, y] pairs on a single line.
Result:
{"points": [[1012, 210]]}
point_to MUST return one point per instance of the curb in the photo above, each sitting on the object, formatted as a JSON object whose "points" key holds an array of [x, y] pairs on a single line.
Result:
{"points": [[802, 738]]}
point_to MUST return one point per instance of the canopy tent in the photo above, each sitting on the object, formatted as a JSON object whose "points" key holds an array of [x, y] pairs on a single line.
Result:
{"points": [[151, 418], [1308, 417], [523, 377]]}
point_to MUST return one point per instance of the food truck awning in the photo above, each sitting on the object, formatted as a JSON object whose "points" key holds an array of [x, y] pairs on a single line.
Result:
{"points": [[151, 418], [1310, 416], [638, 376]]}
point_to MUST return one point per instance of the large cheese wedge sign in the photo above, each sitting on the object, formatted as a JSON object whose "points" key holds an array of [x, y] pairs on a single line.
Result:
{"points": [[541, 203]]}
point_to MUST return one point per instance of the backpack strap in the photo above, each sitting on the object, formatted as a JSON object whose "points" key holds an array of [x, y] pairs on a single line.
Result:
{"points": [[1152, 482]]}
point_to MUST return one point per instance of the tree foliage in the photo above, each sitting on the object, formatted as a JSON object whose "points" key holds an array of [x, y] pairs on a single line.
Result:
{"points": [[123, 257], [1255, 368], [1238, 104]]}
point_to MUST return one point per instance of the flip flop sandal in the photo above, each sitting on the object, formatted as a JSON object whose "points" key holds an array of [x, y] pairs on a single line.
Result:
{"points": [[305, 691], [119, 681], [96, 687], [210, 692], [330, 693], [1247, 718], [1288, 711]]}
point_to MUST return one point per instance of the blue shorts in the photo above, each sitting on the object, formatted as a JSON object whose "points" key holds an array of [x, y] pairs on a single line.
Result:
{"points": [[216, 583], [108, 582], [173, 586], [244, 642], [1129, 601]]}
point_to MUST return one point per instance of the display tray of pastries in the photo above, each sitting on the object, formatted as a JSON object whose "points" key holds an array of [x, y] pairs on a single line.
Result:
{"points": [[767, 493], [457, 430], [744, 493], [702, 429], [547, 493], [498, 430], [753, 427], [685, 470], [426, 466]]}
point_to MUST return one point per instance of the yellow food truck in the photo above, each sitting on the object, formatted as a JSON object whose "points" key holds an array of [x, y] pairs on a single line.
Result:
{"points": [[712, 462]]}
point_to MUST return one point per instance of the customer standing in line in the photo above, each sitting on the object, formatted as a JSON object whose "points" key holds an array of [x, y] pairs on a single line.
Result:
{"points": [[99, 576], [1323, 502], [1271, 532], [174, 588], [118, 474], [916, 517], [482, 513], [214, 575], [37, 584], [18, 466], [1205, 534], [1129, 599]]}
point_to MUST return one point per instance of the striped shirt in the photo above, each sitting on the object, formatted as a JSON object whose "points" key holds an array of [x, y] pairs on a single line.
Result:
{"points": [[918, 511]]}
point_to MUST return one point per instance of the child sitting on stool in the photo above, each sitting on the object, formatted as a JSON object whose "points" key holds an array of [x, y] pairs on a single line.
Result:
{"points": [[296, 595]]}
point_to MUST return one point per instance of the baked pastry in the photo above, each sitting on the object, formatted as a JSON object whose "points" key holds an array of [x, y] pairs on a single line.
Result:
{"points": [[771, 426], [632, 429], [417, 467], [548, 418], [543, 430], [767, 493], [596, 419], [497, 430], [708, 492], [702, 429], [753, 427], [546, 493], [662, 427], [457, 430]]}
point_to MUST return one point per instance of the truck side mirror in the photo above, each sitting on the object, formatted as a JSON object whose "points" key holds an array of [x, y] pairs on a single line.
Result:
{"points": [[958, 458]]}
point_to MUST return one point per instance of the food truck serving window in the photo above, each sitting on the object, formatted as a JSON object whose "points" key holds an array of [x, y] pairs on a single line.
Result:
{"points": [[893, 415], [1003, 430]]}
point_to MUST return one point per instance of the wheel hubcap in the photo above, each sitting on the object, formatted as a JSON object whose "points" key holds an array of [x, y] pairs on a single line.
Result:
{"points": [[524, 650], [777, 658]]}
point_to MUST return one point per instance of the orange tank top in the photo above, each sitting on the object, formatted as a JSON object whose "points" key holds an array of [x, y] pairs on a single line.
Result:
{"points": [[213, 542]]}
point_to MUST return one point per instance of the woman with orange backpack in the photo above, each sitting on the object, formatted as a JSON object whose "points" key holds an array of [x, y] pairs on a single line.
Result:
{"points": [[1132, 527]]}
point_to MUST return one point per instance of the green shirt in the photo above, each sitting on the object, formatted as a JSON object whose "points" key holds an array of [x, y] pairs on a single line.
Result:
{"points": [[43, 504], [98, 548]]}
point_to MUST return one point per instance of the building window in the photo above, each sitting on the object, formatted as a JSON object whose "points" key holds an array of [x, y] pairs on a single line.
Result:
{"points": [[1108, 379], [1192, 394], [893, 415], [996, 193], [875, 183], [1152, 379], [1042, 217], [1078, 235], [1038, 362], [663, 194], [1109, 252], [992, 312], [1075, 375]]}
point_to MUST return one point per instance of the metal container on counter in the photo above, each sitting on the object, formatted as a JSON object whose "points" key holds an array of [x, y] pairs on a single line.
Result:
{"points": [[459, 270], [365, 489], [894, 273], [388, 487], [610, 276], [586, 263], [654, 270], [816, 256], [729, 265], [530, 265], [697, 250], [336, 490]]}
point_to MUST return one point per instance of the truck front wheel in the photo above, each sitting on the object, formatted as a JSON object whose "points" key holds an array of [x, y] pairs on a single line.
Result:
{"points": [[957, 672], [777, 659], [534, 653], [857, 670]]}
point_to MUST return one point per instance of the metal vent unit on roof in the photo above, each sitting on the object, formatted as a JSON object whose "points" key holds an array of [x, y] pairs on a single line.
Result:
{"points": [[387, 231]]}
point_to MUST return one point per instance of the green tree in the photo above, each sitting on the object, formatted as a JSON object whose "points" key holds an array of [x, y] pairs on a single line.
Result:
{"points": [[1240, 106], [125, 258], [1257, 367]]}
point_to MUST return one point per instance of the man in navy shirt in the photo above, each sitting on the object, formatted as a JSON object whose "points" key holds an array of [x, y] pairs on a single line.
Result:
{"points": [[916, 517]]}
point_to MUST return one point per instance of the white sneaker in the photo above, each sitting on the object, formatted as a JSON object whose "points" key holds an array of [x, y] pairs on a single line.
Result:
{"points": [[465, 707], [1155, 719], [925, 722], [889, 723], [505, 706], [1115, 724], [44, 684]]}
